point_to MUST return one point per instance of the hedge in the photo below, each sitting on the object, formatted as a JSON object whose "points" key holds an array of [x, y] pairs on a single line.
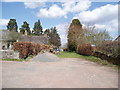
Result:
{"points": [[29, 48], [108, 50], [85, 49]]}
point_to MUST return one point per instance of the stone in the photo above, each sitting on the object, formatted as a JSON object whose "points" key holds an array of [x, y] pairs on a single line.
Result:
{"points": [[9, 54]]}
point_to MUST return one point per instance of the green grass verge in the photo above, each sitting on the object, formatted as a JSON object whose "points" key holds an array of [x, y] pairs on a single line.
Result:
{"points": [[90, 58], [19, 60], [28, 58]]}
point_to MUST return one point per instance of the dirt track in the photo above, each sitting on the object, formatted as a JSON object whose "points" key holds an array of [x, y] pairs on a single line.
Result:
{"points": [[65, 73]]}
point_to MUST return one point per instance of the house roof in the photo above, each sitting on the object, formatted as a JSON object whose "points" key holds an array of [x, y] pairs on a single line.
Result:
{"points": [[5, 35], [36, 39]]}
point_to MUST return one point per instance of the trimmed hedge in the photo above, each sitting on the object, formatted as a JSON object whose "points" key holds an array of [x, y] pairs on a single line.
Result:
{"points": [[29, 48], [85, 49]]}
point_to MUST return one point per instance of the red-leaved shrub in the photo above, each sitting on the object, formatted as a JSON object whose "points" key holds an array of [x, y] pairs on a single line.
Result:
{"points": [[29, 48], [85, 49]]}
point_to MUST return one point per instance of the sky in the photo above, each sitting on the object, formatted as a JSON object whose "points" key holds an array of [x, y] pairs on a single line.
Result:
{"points": [[104, 15]]}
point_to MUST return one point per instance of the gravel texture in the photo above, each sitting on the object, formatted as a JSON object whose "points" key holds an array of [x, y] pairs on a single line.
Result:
{"points": [[45, 57], [57, 73]]}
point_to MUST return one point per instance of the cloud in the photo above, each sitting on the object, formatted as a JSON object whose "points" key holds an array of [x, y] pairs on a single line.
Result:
{"points": [[62, 30], [55, 11], [103, 14], [104, 17], [34, 4], [13, 0], [4, 22], [24, 0], [73, 6], [52, 12], [39, 0]]}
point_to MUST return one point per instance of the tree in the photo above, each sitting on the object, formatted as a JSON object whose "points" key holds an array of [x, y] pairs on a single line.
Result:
{"points": [[54, 38], [22, 30], [12, 25], [75, 29], [37, 30], [25, 28], [93, 36], [47, 31], [76, 21]]}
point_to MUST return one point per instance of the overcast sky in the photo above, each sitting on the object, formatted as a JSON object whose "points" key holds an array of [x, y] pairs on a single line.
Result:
{"points": [[104, 15]]}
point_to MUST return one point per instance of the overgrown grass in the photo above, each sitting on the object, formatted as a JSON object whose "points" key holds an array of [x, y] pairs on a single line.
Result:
{"points": [[90, 58]]}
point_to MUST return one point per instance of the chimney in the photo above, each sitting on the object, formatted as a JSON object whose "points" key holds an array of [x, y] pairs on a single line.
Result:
{"points": [[26, 33]]}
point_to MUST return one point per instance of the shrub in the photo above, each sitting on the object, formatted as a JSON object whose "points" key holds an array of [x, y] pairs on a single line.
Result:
{"points": [[85, 49], [65, 49], [111, 59], [29, 48], [72, 48], [108, 50]]}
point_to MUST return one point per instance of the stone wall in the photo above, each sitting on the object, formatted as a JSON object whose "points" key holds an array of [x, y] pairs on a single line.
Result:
{"points": [[9, 54]]}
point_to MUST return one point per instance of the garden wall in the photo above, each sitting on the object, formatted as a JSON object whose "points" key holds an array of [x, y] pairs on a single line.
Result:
{"points": [[9, 54]]}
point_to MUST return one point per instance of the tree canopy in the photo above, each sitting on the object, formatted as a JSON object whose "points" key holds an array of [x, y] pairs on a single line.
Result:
{"points": [[75, 29], [78, 35], [25, 28], [12, 25], [37, 30], [93, 36], [54, 38], [76, 21]]}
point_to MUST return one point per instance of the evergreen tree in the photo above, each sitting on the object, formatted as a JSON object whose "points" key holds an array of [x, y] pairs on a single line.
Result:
{"points": [[37, 30], [12, 25], [75, 30], [54, 37], [22, 30], [47, 31], [25, 28]]}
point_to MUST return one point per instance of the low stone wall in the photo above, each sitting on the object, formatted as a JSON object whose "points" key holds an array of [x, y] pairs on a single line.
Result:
{"points": [[9, 54]]}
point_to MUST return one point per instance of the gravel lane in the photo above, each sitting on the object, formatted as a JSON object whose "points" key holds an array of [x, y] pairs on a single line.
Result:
{"points": [[45, 57], [62, 73]]}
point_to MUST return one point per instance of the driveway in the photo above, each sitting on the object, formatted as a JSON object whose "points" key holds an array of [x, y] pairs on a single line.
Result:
{"points": [[59, 73]]}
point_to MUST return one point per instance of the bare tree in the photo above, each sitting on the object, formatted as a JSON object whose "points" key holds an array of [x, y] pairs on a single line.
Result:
{"points": [[93, 36]]}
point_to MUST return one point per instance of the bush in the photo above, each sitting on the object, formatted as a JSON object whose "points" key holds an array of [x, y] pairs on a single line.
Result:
{"points": [[108, 50], [85, 49], [72, 48], [65, 49], [111, 59], [29, 48]]}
